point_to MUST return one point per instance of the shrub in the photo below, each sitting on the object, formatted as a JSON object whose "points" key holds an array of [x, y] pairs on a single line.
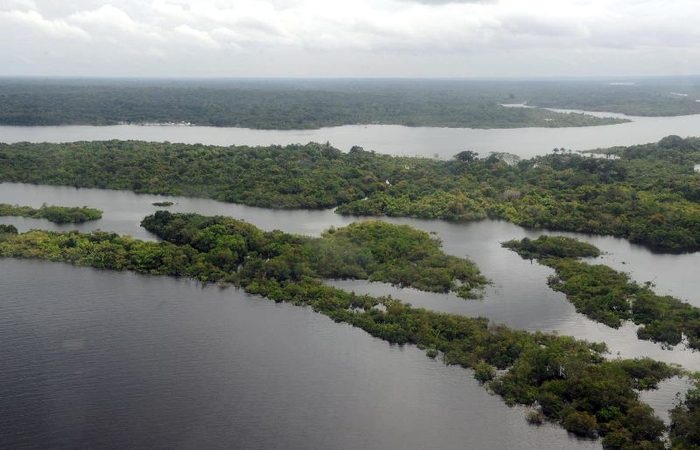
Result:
{"points": [[484, 372], [535, 417], [581, 424]]}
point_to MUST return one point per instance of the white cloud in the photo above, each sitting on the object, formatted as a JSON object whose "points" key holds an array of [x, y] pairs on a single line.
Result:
{"points": [[199, 37], [107, 16], [33, 21], [169, 10], [111, 23], [17, 4]]}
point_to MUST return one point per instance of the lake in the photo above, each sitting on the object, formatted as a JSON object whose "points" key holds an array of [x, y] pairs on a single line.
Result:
{"points": [[101, 357], [104, 359], [391, 139]]}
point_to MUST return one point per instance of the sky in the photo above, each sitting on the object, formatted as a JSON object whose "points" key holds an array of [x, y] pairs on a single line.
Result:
{"points": [[349, 38]]}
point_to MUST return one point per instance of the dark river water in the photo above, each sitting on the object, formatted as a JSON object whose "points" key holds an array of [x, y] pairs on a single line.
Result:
{"points": [[391, 139], [103, 359], [95, 359]]}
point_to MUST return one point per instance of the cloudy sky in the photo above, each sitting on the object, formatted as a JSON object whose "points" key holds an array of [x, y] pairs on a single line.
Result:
{"points": [[349, 38]]}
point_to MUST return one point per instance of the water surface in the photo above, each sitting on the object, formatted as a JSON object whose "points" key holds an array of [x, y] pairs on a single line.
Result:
{"points": [[390, 139], [219, 341], [100, 359], [519, 296]]}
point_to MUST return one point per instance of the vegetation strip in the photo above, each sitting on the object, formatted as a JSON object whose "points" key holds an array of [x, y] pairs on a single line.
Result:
{"points": [[567, 380], [650, 195], [55, 214], [685, 420], [270, 105], [608, 296]]}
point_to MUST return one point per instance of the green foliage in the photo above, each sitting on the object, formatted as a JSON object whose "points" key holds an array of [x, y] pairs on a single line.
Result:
{"points": [[7, 229], [398, 254], [535, 417], [372, 250], [581, 424], [633, 430], [484, 372], [599, 292], [649, 98], [608, 296], [575, 385], [56, 214], [466, 156], [296, 176], [685, 421], [554, 246], [652, 199], [272, 105], [163, 204]]}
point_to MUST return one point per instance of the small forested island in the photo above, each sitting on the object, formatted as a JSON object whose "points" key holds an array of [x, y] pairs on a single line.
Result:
{"points": [[649, 194], [163, 204], [213, 249], [55, 214], [609, 296], [567, 381]]}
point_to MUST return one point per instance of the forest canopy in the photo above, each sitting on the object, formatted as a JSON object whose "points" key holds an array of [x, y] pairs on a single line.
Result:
{"points": [[304, 104], [609, 296], [284, 104], [649, 195]]}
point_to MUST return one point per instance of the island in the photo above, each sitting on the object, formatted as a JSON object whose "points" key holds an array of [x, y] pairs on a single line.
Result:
{"points": [[55, 214], [609, 296]]}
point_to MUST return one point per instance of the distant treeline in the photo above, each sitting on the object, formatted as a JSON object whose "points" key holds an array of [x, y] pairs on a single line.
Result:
{"points": [[567, 381], [643, 98], [650, 194], [272, 105]]}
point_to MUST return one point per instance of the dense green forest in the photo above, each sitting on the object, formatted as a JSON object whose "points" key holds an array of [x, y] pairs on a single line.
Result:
{"points": [[642, 97], [213, 248], [608, 296], [568, 381], [55, 214], [11, 229], [372, 250], [650, 195], [552, 247], [304, 104], [271, 105], [685, 418]]}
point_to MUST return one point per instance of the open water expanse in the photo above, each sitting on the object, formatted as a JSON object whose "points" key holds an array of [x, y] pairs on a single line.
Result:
{"points": [[391, 139], [116, 360]]}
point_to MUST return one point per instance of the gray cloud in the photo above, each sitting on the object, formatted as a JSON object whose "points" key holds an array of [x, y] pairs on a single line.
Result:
{"points": [[340, 38]]}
